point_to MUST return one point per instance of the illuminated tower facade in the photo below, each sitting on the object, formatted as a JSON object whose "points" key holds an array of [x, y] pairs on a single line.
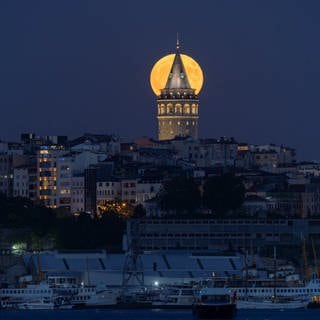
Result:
{"points": [[177, 100]]}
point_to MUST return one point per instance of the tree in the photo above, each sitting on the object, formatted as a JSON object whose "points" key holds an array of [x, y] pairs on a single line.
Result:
{"points": [[40, 227], [85, 232], [180, 194], [122, 208], [139, 211], [223, 193]]}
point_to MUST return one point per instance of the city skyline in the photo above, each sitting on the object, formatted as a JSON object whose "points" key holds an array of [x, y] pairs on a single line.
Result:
{"points": [[76, 67]]}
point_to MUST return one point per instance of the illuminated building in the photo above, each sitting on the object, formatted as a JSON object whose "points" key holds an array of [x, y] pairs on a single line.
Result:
{"points": [[123, 190], [109, 190], [54, 177], [131, 191], [177, 97], [64, 181], [32, 142]]}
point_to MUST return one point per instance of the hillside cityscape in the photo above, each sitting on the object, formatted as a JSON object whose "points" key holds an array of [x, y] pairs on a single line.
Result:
{"points": [[78, 215], [259, 194]]}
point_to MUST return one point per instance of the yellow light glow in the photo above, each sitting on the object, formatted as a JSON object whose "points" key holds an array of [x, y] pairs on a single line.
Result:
{"points": [[160, 72]]}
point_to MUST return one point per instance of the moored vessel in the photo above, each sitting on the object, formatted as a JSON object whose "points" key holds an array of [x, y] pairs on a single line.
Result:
{"points": [[282, 304], [215, 303]]}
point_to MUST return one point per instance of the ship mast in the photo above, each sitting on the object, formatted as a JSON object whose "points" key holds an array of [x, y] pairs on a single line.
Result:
{"points": [[305, 260], [316, 268], [88, 272], [274, 273]]}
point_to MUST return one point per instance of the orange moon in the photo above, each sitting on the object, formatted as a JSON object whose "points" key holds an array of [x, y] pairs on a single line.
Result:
{"points": [[161, 69]]}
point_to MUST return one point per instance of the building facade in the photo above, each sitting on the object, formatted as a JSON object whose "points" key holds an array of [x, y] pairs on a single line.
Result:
{"points": [[211, 234], [77, 194], [47, 175]]}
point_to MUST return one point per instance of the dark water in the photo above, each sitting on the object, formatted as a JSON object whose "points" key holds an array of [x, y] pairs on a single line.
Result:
{"points": [[152, 315]]}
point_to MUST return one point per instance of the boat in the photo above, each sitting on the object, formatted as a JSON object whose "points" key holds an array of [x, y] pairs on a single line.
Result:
{"points": [[274, 291], [215, 303], [103, 299], [41, 304], [267, 288], [272, 304], [62, 294], [34, 295], [175, 297]]}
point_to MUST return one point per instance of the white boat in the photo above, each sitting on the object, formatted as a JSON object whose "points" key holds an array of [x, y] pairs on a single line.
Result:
{"points": [[176, 297], [78, 295], [271, 291], [42, 304], [269, 304], [51, 295], [103, 298], [268, 289], [36, 294]]}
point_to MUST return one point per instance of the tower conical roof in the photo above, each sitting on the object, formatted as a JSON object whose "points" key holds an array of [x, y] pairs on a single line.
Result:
{"points": [[177, 78]]}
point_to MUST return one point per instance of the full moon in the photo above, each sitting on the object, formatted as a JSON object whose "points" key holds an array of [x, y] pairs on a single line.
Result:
{"points": [[160, 72]]}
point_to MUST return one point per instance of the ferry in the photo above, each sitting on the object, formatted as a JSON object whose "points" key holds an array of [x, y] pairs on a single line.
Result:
{"points": [[57, 293], [13, 297], [279, 304], [270, 289]]}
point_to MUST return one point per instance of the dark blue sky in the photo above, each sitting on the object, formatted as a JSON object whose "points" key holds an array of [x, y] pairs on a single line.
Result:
{"points": [[68, 67]]}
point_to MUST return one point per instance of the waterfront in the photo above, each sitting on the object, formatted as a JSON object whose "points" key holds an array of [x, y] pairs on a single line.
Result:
{"points": [[99, 314]]}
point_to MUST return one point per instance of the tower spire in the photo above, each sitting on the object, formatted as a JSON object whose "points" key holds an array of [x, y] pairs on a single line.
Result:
{"points": [[178, 43]]}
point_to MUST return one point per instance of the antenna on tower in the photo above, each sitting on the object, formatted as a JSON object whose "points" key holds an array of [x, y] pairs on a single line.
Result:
{"points": [[178, 43]]}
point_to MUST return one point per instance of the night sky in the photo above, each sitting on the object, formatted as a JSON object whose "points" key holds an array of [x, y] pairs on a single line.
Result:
{"points": [[69, 67]]}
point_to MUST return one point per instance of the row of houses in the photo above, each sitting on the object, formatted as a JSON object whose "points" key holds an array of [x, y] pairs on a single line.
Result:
{"points": [[86, 173]]}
